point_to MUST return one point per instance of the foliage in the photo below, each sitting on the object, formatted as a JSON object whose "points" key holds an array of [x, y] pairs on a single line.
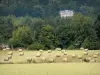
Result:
{"points": [[50, 33], [21, 37], [36, 46]]}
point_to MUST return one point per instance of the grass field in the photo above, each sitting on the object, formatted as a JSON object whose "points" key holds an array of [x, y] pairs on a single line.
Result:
{"points": [[32, 54], [74, 68], [51, 69]]}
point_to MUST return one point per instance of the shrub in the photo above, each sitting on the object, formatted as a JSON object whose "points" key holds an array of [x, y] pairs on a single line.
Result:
{"points": [[36, 46], [91, 43]]}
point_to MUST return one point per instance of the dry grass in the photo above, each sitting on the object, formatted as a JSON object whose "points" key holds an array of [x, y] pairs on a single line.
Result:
{"points": [[51, 69], [58, 56]]}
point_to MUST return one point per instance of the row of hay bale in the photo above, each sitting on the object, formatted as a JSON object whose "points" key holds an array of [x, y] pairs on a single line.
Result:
{"points": [[10, 55], [5, 49], [62, 57]]}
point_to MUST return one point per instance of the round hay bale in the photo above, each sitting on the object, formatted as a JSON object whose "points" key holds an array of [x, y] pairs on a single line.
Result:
{"points": [[79, 57], [81, 48], [87, 59], [10, 53], [29, 59], [58, 49], [58, 55], [41, 51], [38, 54], [93, 61], [6, 59], [96, 53], [4, 49], [65, 53], [95, 56], [7, 48], [86, 50], [49, 51], [9, 56], [43, 58], [85, 53], [20, 50], [51, 60], [73, 56], [21, 53], [65, 59]]}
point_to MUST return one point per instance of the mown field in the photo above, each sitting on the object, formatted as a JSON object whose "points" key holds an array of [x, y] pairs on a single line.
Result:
{"points": [[56, 56], [51, 69], [73, 67]]}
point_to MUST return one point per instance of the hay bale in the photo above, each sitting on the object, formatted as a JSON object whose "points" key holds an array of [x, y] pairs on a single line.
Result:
{"points": [[81, 48], [65, 53], [6, 59], [95, 56], [49, 51], [20, 50], [58, 55], [29, 59], [10, 53], [65, 59], [96, 53], [38, 54], [85, 53], [4, 49], [58, 49], [7, 48], [79, 57], [86, 50], [9, 56], [43, 58], [40, 51], [73, 56], [93, 61], [50, 60], [87, 59], [21, 53]]}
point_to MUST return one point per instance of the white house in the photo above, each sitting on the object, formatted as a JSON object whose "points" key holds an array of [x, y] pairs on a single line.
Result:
{"points": [[66, 13]]}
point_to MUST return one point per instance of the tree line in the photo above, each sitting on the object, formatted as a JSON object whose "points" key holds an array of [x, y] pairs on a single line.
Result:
{"points": [[50, 33], [46, 8]]}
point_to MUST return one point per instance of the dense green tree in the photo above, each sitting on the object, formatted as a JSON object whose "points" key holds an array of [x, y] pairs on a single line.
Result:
{"points": [[22, 37]]}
